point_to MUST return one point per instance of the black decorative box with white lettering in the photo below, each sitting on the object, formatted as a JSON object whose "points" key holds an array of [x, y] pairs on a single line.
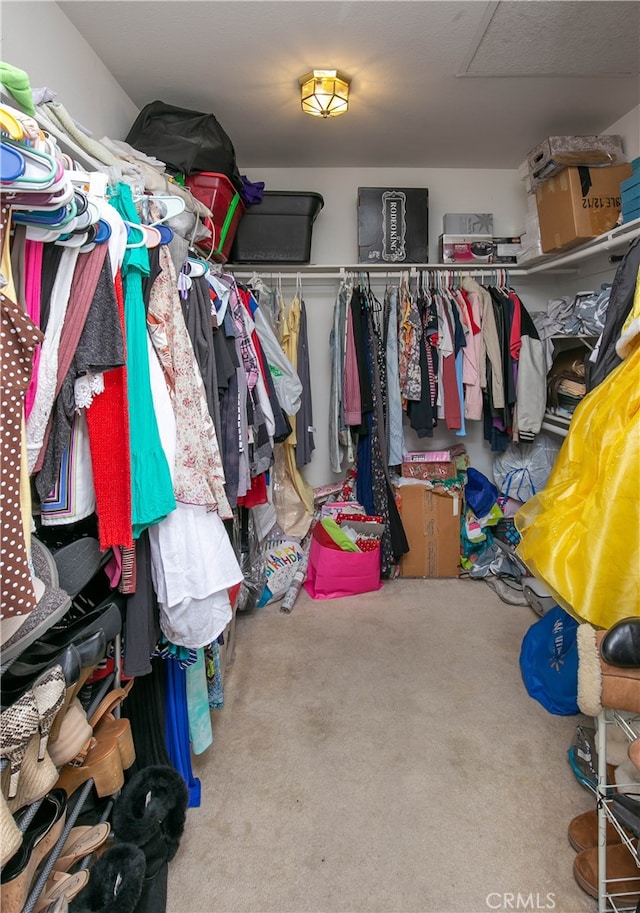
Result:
{"points": [[393, 225]]}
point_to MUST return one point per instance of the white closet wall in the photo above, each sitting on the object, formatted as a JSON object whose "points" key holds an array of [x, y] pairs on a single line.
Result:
{"points": [[335, 236], [37, 37]]}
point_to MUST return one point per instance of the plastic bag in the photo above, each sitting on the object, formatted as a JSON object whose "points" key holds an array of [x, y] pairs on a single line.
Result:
{"points": [[549, 662], [251, 562], [498, 560], [293, 517], [282, 558], [523, 469], [479, 493], [187, 141]]}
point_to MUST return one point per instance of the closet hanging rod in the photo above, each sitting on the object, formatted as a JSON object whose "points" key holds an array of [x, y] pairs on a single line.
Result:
{"points": [[339, 272], [278, 274]]}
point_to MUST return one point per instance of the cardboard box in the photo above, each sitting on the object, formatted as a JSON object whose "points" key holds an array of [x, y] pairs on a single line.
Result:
{"points": [[430, 471], [431, 520], [507, 250], [435, 465], [434, 456], [393, 225], [467, 223], [557, 152], [579, 204], [466, 248]]}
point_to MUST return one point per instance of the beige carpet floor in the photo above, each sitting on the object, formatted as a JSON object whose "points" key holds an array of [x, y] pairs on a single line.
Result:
{"points": [[380, 754]]}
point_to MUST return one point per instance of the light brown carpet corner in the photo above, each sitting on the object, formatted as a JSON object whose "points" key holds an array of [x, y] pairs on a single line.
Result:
{"points": [[379, 754]]}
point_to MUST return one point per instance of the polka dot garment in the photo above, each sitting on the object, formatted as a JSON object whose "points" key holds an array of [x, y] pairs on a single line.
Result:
{"points": [[18, 338]]}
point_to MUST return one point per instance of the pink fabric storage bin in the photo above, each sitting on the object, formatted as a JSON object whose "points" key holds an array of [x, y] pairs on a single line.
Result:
{"points": [[333, 573]]}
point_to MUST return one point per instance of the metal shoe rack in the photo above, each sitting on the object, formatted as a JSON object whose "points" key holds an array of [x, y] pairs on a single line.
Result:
{"points": [[77, 800], [610, 895]]}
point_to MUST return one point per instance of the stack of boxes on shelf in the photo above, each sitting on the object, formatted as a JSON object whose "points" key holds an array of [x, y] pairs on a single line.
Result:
{"points": [[630, 194], [468, 239], [574, 192]]}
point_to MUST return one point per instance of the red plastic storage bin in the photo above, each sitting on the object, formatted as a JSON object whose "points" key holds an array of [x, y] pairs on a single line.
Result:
{"points": [[220, 196]]}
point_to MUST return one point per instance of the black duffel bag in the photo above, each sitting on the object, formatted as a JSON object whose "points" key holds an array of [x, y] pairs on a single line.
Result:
{"points": [[186, 141]]}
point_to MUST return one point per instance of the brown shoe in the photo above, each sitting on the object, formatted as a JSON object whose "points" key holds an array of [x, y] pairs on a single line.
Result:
{"points": [[623, 875], [583, 831]]}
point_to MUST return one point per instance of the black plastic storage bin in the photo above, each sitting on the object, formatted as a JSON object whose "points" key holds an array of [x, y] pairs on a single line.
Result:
{"points": [[278, 230]]}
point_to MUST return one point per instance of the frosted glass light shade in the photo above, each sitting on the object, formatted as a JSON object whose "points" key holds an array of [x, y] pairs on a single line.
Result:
{"points": [[324, 93]]}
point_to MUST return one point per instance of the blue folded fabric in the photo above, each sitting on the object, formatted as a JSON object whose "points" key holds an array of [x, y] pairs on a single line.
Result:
{"points": [[177, 729]]}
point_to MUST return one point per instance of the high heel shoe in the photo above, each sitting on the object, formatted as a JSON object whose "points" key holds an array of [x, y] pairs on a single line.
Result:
{"points": [[106, 726], [71, 664], [74, 736], [18, 725], [102, 765], [49, 692], [37, 778]]}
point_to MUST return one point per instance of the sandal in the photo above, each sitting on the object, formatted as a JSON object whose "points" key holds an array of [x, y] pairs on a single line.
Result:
{"points": [[81, 842], [61, 885]]}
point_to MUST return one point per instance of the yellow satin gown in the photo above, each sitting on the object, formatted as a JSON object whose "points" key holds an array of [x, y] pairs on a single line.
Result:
{"points": [[581, 534]]}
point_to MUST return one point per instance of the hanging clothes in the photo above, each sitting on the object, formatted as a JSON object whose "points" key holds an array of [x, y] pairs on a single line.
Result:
{"points": [[395, 431], [531, 384], [340, 440], [420, 411], [473, 375], [107, 417], [373, 487], [410, 332], [620, 305], [151, 488], [48, 366], [91, 343], [196, 309], [198, 473], [304, 417], [33, 256], [290, 334], [18, 340]]}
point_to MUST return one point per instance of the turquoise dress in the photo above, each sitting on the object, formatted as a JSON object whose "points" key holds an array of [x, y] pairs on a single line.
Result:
{"points": [[152, 495]]}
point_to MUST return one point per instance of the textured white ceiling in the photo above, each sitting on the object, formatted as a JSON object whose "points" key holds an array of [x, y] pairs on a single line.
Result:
{"points": [[563, 38], [241, 60]]}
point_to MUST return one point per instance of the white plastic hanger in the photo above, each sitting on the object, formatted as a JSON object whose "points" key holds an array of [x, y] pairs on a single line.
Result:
{"points": [[142, 243]]}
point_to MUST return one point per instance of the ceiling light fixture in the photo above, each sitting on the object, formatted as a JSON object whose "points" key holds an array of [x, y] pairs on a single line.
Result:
{"points": [[324, 93]]}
